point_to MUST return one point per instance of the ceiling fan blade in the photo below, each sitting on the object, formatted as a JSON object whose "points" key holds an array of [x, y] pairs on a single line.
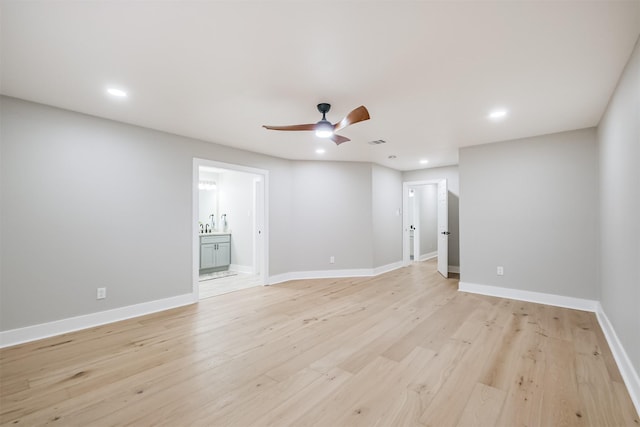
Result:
{"points": [[311, 126], [360, 114], [339, 139]]}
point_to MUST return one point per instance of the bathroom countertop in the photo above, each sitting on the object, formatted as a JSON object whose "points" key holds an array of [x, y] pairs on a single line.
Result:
{"points": [[215, 233]]}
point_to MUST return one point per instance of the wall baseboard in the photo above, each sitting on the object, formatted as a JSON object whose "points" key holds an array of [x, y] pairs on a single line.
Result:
{"points": [[386, 268], [429, 255], [333, 274], [320, 274], [629, 374], [627, 370], [59, 327], [454, 269], [529, 296]]}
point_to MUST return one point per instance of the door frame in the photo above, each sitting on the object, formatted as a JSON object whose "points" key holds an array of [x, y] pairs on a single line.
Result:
{"points": [[406, 186], [195, 252]]}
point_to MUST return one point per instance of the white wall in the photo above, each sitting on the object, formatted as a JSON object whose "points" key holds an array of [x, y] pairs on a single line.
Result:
{"points": [[619, 149], [236, 201], [531, 206], [386, 208], [450, 173], [331, 216]]}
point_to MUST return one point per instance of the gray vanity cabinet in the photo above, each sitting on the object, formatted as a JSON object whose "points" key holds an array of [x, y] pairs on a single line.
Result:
{"points": [[215, 252]]}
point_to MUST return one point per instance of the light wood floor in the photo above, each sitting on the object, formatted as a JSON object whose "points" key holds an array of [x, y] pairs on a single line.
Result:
{"points": [[404, 348]]}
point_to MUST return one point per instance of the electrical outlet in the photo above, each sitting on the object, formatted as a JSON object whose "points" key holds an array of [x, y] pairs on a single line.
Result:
{"points": [[332, 259], [500, 271], [102, 293]]}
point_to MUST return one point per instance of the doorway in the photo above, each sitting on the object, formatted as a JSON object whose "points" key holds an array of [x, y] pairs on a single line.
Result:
{"points": [[230, 250], [425, 223]]}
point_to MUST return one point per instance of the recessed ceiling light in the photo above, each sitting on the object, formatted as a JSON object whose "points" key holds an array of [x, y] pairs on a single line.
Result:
{"points": [[424, 161], [117, 92], [320, 151], [498, 114]]}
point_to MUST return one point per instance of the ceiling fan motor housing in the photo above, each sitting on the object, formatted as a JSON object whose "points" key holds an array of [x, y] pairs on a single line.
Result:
{"points": [[324, 108]]}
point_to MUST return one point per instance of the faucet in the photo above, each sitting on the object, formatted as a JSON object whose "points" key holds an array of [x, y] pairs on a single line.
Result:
{"points": [[201, 229], [207, 229]]}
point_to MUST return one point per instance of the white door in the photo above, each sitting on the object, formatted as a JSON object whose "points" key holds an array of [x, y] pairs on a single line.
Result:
{"points": [[417, 203], [258, 226], [443, 228]]}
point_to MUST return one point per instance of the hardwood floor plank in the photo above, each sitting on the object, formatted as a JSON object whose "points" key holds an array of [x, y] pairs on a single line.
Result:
{"points": [[432, 331], [448, 403], [346, 399], [374, 404], [595, 388], [628, 413], [523, 403], [560, 400], [483, 407], [498, 368], [298, 404]]}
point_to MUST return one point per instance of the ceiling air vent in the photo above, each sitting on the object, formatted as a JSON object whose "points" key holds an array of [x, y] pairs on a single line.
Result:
{"points": [[377, 142]]}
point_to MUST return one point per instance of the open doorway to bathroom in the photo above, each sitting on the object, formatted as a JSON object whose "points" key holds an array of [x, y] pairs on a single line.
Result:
{"points": [[230, 227]]}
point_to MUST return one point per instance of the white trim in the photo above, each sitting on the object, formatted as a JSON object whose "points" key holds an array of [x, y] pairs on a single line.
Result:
{"points": [[386, 268], [318, 274], [529, 296], [428, 256], [241, 268], [58, 327], [333, 274], [195, 244], [629, 374], [279, 278], [454, 269]]}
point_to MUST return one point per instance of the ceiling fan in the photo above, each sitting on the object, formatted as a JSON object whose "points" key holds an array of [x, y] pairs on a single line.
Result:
{"points": [[324, 128]]}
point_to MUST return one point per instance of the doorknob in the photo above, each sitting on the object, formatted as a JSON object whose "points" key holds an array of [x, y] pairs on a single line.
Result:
{"points": [[446, 233]]}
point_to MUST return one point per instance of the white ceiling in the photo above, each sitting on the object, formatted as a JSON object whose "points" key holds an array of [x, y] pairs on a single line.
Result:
{"points": [[429, 72]]}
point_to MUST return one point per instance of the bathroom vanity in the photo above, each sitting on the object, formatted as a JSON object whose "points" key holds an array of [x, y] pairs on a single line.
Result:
{"points": [[215, 252]]}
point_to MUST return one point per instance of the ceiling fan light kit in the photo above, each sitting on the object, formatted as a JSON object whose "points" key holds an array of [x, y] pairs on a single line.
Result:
{"points": [[324, 128]]}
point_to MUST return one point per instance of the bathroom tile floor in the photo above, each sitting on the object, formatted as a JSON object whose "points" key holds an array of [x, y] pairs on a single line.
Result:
{"points": [[223, 285]]}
